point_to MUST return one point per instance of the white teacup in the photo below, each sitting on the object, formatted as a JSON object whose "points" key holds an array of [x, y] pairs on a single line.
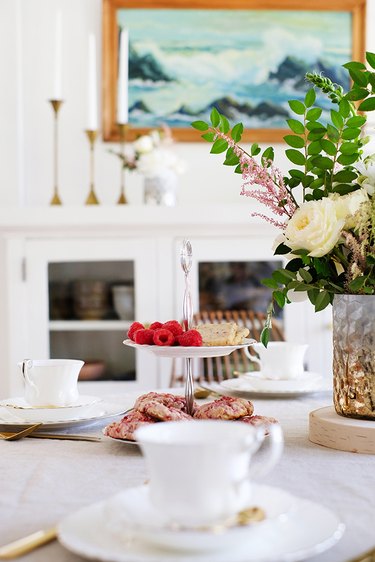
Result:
{"points": [[201, 471], [279, 360], [51, 382]]}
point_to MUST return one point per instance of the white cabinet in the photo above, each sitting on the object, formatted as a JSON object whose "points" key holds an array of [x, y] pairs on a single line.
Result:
{"points": [[139, 246]]}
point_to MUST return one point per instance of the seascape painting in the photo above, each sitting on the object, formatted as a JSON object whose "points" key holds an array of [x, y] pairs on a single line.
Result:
{"points": [[246, 63]]}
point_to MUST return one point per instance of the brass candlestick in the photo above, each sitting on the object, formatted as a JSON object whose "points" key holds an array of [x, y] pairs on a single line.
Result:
{"points": [[56, 104], [123, 127], [92, 198]]}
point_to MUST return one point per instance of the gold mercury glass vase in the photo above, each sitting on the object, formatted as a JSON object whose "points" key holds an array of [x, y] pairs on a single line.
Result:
{"points": [[354, 355]]}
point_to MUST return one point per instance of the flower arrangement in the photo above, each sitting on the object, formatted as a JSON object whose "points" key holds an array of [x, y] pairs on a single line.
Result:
{"points": [[325, 204], [152, 154]]}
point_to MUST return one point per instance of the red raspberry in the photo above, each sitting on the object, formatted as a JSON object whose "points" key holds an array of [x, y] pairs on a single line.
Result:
{"points": [[174, 327], [144, 337], [163, 337], [133, 328], [191, 338], [155, 326]]}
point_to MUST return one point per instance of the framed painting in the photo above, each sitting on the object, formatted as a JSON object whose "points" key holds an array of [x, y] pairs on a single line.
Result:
{"points": [[245, 57]]}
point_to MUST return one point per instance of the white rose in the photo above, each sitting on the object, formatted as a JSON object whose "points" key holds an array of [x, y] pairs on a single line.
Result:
{"points": [[315, 227], [156, 162], [280, 239], [143, 144], [367, 177], [155, 137], [369, 184], [348, 205]]}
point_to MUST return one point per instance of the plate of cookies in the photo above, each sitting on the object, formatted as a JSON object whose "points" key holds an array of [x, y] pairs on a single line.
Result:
{"points": [[169, 339], [157, 407]]}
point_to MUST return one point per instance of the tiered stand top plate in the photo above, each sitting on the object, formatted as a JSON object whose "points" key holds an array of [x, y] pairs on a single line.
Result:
{"points": [[190, 352]]}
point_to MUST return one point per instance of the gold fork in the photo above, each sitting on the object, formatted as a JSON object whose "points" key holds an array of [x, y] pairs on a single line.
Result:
{"points": [[204, 392], [26, 544], [19, 434]]}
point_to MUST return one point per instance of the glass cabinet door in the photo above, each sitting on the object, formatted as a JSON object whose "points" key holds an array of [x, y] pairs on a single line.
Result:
{"points": [[85, 294]]}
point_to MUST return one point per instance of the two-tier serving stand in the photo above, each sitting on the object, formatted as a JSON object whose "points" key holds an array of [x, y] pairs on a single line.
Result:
{"points": [[188, 353]]}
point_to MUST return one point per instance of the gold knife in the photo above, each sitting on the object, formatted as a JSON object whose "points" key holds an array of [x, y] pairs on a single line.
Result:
{"points": [[68, 436], [26, 544]]}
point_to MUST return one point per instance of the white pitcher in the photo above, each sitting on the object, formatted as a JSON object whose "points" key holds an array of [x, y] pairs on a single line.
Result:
{"points": [[51, 382]]}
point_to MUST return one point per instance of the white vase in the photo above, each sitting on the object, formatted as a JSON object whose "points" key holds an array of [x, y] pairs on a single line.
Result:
{"points": [[161, 189]]}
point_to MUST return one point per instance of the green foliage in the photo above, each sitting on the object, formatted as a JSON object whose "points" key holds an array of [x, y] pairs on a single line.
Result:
{"points": [[316, 150]]}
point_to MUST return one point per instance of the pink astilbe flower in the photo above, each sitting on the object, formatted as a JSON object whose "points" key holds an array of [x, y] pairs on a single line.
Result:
{"points": [[272, 191]]}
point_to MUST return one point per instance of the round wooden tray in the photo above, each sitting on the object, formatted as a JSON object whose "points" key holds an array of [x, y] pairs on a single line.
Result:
{"points": [[337, 432]]}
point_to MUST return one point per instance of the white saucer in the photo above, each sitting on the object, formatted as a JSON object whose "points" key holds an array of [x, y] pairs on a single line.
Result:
{"points": [[61, 417], [305, 381], [182, 351], [20, 403], [245, 388], [132, 510], [309, 530], [26, 412]]}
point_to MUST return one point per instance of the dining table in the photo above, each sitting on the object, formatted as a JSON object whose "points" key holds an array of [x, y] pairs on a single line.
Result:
{"points": [[42, 481]]}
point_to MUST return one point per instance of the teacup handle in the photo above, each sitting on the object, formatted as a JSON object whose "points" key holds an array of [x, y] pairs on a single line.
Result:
{"points": [[274, 442], [253, 358], [26, 365]]}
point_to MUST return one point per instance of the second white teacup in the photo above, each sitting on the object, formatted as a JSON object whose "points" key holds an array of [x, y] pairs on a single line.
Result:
{"points": [[201, 471], [279, 360], [51, 382]]}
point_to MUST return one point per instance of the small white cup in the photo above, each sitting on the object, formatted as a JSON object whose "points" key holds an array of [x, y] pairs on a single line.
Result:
{"points": [[123, 301], [201, 470], [279, 360], [51, 382]]}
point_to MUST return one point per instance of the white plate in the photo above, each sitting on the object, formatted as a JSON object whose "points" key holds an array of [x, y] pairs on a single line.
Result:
{"points": [[23, 410], [96, 412], [306, 381], [309, 530], [238, 387], [132, 510], [20, 403], [193, 351]]}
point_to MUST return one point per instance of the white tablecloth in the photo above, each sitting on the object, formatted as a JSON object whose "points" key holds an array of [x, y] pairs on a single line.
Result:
{"points": [[41, 481]]}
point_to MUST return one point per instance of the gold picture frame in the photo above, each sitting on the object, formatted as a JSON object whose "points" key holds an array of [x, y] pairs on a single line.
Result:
{"points": [[354, 12]]}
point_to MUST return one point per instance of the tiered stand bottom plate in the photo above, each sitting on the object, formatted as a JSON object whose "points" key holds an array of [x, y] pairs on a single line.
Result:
{"points": [[337, 432]]}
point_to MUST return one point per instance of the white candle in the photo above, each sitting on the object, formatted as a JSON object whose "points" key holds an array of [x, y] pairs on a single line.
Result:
{"points": [[92, 105], [57, 91], [122, 85]]}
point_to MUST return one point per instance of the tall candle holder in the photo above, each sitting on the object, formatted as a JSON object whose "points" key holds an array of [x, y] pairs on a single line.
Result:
{"points": [[92, 198], [56, 104], [123, 128]]}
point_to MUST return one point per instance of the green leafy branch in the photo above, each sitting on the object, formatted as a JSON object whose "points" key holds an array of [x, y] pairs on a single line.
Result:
{"points": [[317, 149]]}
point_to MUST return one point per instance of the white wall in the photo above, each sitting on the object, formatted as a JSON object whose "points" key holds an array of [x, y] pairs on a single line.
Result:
{"points": [[27, 30]]}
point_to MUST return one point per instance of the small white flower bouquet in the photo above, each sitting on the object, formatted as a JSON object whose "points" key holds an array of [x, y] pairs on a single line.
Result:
{"points": [[152, 154]]}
